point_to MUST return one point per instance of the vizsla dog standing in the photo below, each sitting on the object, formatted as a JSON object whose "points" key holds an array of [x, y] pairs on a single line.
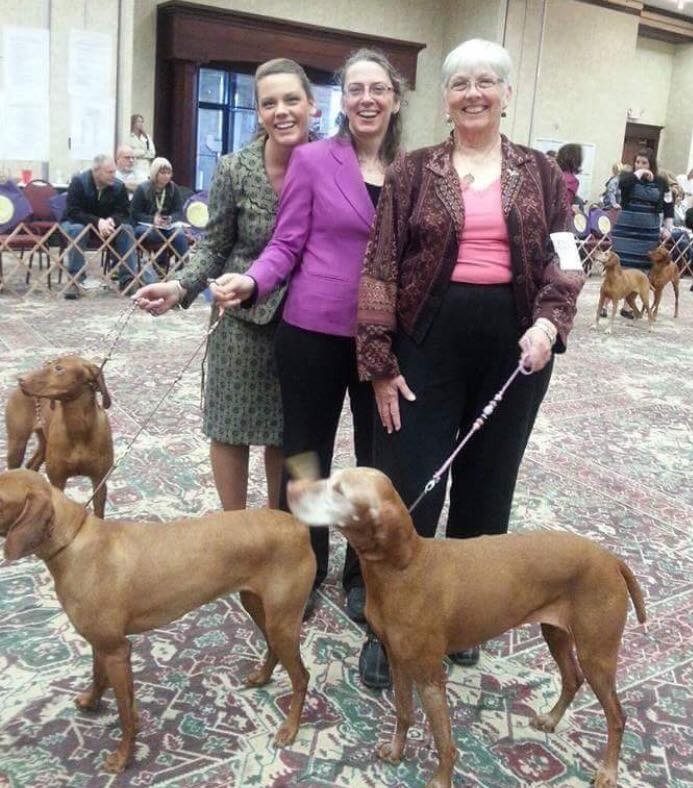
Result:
{"points": [[663, 271], [116, 578], [58, 403], [429, 597], [621, 284]]}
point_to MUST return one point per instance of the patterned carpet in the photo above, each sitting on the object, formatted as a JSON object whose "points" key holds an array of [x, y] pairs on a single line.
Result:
{"points": [[611, 458]]}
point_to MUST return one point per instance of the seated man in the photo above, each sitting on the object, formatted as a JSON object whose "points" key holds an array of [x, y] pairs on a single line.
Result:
{"points": [[125, 168], [97, 200]]}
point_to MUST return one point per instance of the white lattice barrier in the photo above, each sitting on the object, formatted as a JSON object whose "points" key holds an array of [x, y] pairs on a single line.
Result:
{"points": [[31, 264]]}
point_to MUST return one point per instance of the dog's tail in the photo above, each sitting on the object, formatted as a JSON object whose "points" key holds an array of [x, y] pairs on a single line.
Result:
{"points": [[634, 591]]}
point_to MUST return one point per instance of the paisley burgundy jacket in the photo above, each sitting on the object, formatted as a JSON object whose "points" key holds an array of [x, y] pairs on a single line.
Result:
{"points": [[415, 239]]}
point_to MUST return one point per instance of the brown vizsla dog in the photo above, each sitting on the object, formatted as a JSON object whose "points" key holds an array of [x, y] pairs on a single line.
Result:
{"points": [[58, 403], [620, 283], [663, 271], [118, 578], [429, 597]]}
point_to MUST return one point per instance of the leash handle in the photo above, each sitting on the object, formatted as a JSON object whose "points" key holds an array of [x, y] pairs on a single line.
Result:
{"points": [[479, 422]]}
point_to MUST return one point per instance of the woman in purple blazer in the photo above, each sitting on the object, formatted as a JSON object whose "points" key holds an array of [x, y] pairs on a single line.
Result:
{"points": [[325, 213]]}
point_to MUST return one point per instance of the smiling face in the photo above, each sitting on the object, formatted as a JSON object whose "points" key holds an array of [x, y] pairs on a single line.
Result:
{"points": [[284, 109], [475, 99], [368, 99]]}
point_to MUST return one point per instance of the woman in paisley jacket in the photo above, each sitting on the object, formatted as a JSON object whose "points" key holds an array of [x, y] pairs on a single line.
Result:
{"points": [[242, 400], [459, 271]]}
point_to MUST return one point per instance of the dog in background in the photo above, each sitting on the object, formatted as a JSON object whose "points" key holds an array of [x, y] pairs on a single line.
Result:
{"points": [[426, 598], [115, 579], [622, 284], [663, 271], [58, 403]]}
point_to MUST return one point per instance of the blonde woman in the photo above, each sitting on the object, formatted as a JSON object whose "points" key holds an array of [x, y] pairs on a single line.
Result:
{"points": [[142, 145]]}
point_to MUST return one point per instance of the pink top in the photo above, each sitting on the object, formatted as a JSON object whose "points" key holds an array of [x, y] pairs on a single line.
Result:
{"points": [[484, 254]]}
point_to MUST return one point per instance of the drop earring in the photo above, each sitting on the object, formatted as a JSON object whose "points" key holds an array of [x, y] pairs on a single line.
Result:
{"points": [[448, 119]]}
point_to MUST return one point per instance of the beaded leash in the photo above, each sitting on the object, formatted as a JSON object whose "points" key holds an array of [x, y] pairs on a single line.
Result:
{"points": [[476, 426]]}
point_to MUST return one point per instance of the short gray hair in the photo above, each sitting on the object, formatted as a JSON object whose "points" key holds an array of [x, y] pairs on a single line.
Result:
{"points": [[100, 159], [476, 52]]}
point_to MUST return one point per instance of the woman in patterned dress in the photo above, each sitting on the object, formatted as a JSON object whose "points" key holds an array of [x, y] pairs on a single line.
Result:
{"points": [[242, 401]]}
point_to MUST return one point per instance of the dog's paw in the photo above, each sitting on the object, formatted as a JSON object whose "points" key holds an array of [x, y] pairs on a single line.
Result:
{"points": [[117, 761], [87, 702], [604, 778], [390, 752], [258, 677], [543, 722], [285, 735]]}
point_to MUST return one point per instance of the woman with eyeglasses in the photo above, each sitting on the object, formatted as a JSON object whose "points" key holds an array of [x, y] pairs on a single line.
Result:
{"points": [[325, 214], [157, 205], [460, 284]]}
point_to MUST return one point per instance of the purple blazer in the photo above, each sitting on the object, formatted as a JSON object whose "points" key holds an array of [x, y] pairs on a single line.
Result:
{"points": [[319, 241]]}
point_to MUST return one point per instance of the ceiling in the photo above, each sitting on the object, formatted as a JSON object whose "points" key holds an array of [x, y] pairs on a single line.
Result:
{"points": [[672, 7]]}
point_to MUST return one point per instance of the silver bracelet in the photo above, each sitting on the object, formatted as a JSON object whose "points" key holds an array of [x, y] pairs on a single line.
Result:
{"points": [[181, 290], [548, 328]]}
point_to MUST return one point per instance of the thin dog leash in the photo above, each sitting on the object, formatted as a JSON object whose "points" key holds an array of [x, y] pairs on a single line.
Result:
{"points": [[206, 336], [478, 424]]}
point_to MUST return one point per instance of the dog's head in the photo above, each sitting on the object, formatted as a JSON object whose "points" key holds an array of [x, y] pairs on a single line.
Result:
{"points": [[361, 503], [26, 512], [608, 258], [660, 256], [65, 378]]}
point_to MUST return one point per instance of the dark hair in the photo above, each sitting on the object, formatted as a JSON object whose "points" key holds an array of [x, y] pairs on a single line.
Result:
{"points": [[689, 219], [393, 136], [649, 154], [569, 157], [283, 65], [133, 118]]}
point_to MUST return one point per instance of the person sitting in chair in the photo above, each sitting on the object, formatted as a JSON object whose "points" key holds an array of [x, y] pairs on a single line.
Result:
{"points": [[96, 199], [125, 168], [156, 205]]}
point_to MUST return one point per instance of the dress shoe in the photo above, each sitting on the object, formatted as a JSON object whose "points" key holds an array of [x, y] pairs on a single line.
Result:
{"points": [[311, 602], [71, 293], [373, 665], [602, 312], [355, 603], [627, 314], [468, 657]]}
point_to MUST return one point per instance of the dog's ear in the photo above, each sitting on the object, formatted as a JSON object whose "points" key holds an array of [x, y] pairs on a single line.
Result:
{"points": [[31, 526], [99, 382]]}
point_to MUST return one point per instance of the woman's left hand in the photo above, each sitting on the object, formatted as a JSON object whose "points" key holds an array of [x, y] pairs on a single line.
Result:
{"points": [[536, 349], [665, 234]]}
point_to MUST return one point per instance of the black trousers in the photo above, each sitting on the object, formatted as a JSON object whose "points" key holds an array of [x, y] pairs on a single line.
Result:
{"points": [[465, 358], [315, 371]]}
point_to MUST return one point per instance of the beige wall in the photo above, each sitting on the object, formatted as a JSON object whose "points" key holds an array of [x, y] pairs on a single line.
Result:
{"points": [[413, 20], [587, 63], [677, 142]]}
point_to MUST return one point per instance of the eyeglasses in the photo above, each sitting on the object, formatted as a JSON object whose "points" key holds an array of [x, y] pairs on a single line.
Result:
{"points": [[377, 90], [482, 84]]}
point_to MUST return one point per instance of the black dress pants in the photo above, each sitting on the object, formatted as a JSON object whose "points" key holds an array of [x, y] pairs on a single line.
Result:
{"points": [[467, 355], [315, 371]]}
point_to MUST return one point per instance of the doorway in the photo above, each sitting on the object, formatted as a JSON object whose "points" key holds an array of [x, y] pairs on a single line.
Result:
{"points": [[639, 135]]}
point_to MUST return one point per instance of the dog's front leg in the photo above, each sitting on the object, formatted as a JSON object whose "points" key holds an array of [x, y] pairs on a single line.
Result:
{"points": [[119, 673], [431, 690], [402, 682], [90, 700]]}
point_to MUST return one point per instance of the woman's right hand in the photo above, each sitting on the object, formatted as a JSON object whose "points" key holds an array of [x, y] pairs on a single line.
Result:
{"points": [[387, 391], [159, 297], [231, 290]]}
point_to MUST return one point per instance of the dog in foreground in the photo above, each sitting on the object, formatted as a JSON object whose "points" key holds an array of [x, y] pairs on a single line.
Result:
{"points": [[663, 271], [58, 403], [119, 578], [429, 597]]}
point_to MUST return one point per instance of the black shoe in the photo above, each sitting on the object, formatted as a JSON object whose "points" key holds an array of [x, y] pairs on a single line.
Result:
{"points": [[71, 292], [123, 284], [468, 657], [603, 312], [373, 665], [355, 603], [311, 602], [627, 314]]}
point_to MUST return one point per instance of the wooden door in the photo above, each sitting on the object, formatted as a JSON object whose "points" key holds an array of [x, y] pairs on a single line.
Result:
{"points": [[639, 135]]}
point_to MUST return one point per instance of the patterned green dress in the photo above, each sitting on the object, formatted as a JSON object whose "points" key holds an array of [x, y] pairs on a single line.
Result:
{"points": [[242, 400]]}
